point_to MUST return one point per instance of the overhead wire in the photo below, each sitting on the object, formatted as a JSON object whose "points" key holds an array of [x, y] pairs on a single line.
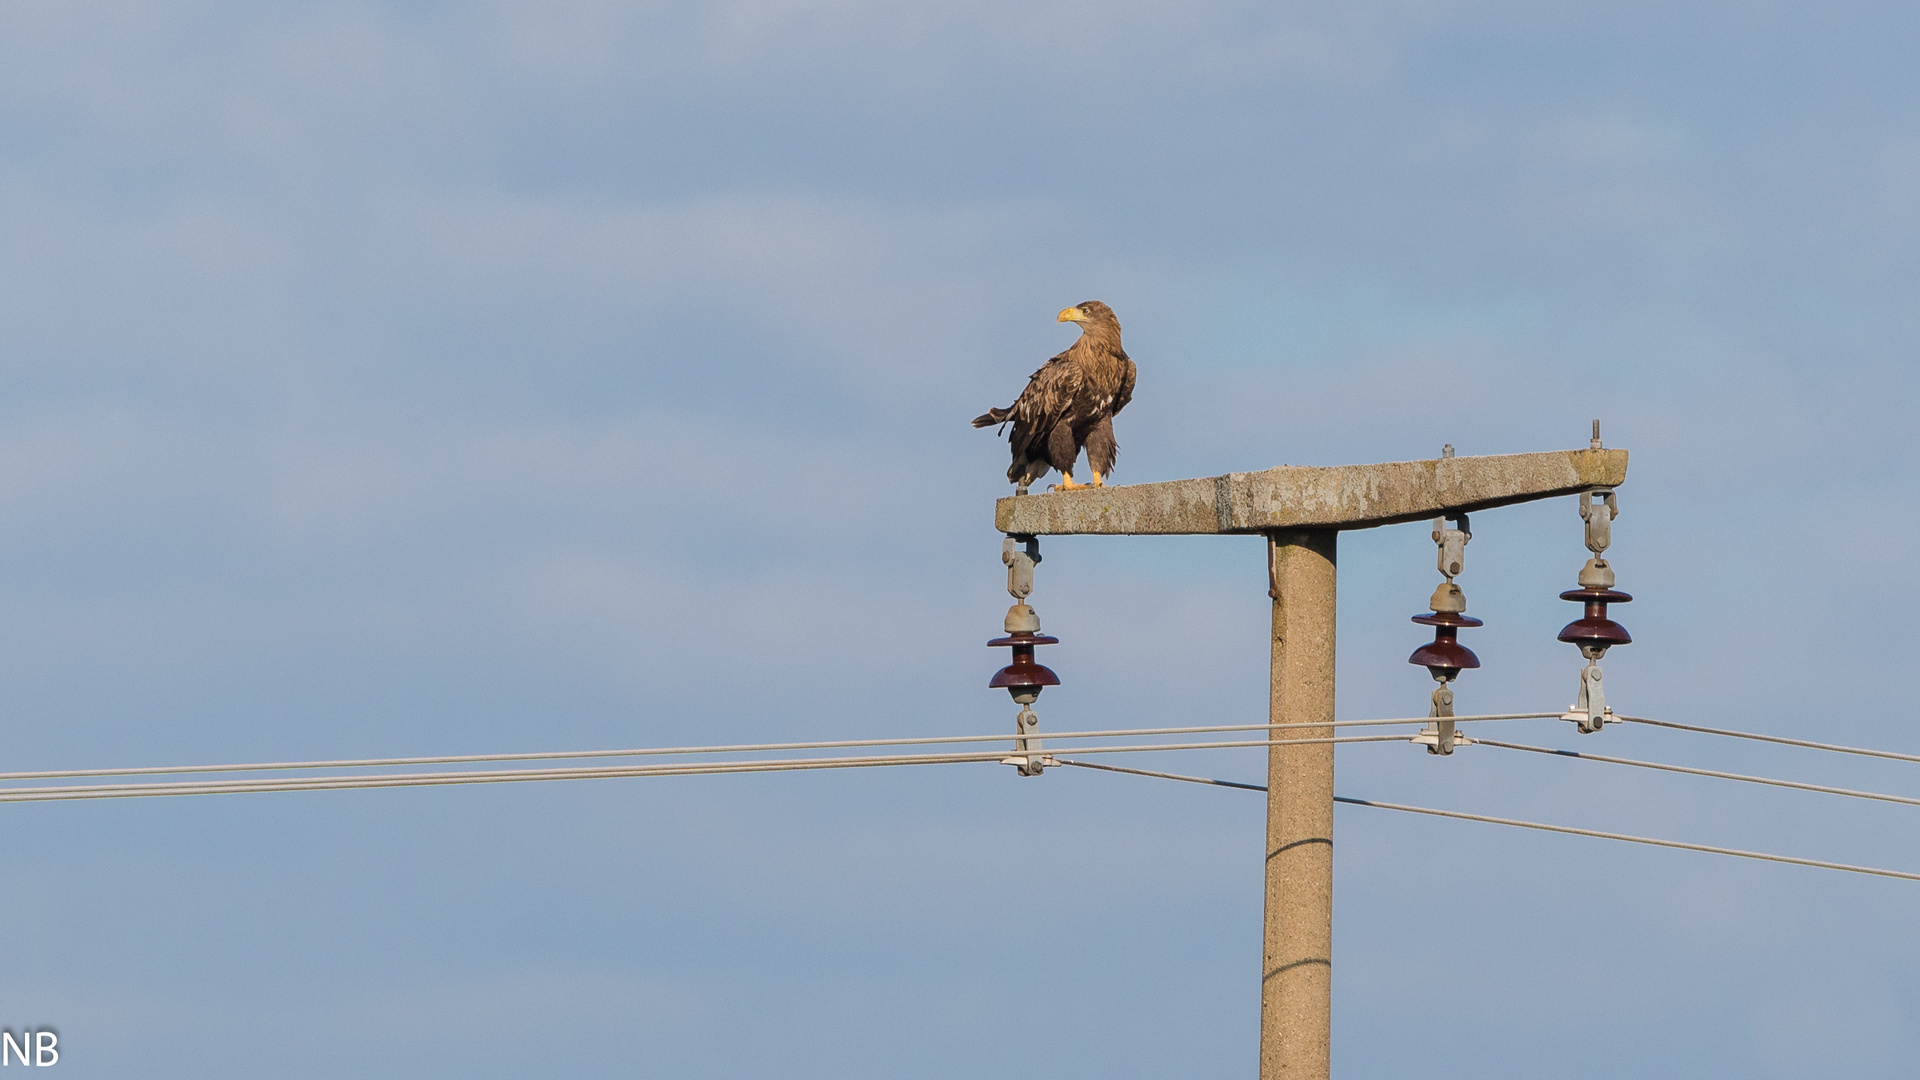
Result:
{"points": [[1570, 830], [488, 776], [1780, 739], [1711, 849], [738, 748], [1691, 771], [42, 793], [35, 793], [1162, 775]]}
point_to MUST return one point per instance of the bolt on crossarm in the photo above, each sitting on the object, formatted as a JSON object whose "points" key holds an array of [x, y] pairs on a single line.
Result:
{"points": [[1301, 511]]}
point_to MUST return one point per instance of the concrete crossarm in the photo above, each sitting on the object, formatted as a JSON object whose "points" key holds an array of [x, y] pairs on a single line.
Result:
{"points": [[1301, 496]]}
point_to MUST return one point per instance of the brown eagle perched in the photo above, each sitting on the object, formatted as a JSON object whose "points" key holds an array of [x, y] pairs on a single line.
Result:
{"points": [[1070, 403]]}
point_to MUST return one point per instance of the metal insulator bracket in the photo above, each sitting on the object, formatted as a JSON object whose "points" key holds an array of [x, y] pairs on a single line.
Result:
{"points": [[1020, 564], [1599, 517], [1440, 742], [1452, 544], [1440, 737], [1589, 711], [1027, 758]]}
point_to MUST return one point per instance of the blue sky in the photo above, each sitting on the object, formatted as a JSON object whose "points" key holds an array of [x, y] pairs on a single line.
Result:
{"points": [[429, 378]]}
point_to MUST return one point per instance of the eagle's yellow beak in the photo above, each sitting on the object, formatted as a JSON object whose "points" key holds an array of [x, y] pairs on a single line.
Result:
{"points": [[1072, 314]]}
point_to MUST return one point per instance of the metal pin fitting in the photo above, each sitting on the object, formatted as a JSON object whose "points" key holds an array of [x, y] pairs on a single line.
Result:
{"points": [[1027, 758], [1440, 737], [1451, 544], [1598, 508], [1589, 711], [1020, 564]]}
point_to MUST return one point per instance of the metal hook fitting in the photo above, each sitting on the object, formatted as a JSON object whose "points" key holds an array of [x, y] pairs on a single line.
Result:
{"points": [[1020, 564], [1027, 759], [1599, 525], [1589, 711], [1452, 543], [1440, 737]]}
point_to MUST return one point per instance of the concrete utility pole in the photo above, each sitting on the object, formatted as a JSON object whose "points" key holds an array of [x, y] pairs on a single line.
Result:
{"points": [[1301, 511]]}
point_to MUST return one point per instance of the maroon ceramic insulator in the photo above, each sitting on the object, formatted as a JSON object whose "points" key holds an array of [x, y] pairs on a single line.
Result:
{"points": [[1445, 656], [1023, 676], [1595, 630]]}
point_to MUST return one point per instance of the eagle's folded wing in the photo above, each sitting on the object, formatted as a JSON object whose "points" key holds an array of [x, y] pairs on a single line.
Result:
{"points": [[1044, 403], [1126, 388]]}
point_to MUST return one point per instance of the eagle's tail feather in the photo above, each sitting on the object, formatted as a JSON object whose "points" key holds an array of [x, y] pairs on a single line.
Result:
{"points": [[992, 417]]}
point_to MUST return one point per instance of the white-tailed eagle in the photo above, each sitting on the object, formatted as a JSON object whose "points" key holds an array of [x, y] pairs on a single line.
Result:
{"points": [[1070, 403]]}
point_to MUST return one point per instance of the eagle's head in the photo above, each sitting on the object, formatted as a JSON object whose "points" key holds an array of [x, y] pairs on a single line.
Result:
{"points": [[1090, 314], [1087, 314]]}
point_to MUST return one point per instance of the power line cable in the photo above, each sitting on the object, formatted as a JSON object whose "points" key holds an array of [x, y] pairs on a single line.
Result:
{"points": [[438, 779], [1782, 740], [323, 783], [1821, 864], [555, 755], [1770, 781], [490, 776], [1162, 775]]}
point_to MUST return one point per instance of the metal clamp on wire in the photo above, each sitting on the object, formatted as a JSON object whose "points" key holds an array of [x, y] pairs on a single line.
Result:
{"points": [[1027, 758], [1439, 737]]}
